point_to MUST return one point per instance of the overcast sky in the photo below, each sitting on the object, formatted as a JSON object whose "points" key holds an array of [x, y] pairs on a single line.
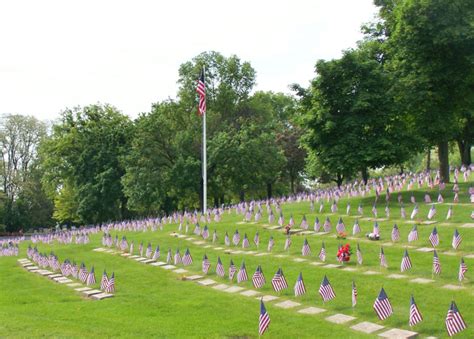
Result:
{"points": [[57, 54]]}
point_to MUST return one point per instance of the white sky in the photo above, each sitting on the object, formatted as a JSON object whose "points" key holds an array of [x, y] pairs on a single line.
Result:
{"points": [[57, 54]]}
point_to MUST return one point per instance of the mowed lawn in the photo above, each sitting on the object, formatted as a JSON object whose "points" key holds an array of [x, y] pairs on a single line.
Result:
{"points": [[151, 301]]}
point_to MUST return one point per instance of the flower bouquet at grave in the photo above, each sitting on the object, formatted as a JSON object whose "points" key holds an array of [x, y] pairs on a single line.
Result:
{"points": [[344, 253], [341, 235]]}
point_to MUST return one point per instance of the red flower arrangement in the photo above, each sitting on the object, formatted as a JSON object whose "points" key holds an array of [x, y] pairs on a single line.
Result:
{"points": [[344, 253]]}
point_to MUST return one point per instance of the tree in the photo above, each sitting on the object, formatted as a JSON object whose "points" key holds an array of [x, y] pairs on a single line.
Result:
{"points": [[82, 164], [432, 48]]}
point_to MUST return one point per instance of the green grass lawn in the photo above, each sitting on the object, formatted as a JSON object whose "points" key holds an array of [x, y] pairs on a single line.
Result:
{"points": [[150, 301]]}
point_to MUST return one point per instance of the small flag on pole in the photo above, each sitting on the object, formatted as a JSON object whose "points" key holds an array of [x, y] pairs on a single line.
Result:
{"points": [[278, 281], [201, 90], [415, 315], [436, 264], [382, 306], [434, 237], [354, 294], [263, 320], [220, 268], [258, 279], [406, 262], [456, 239], [305, 250], [232, 270], [326, 291], [205, 264], [300, 289], [322, 253], [242, 274], [462, 270], [454, 321]]}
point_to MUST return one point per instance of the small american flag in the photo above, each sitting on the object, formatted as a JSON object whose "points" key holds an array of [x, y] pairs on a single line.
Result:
{"points": [[327, 225], [205, 264], [334, 207], [359, 255], [326, 291], [374, 210], [281, 220], [462, 269], [322, 253], [271, 243], [457, 239], [354, 294], [300, 289], [226, 239], [177, 258], [149, 251], [382, 306], [214, 236], [201, 90], [383, 260], [111, 284], [415, 315], [232, 270], [242, 274], [256, 239], [376, 229], [304, 223], [263, 320], [406, 262], [156, 255], [305, 250], [104, 281], [140, 249], [205, 232], [91, 277], [287, 243], [258, 279], [414, 212], [434, 237], [83, 274], [450, 213], [245, 242], [169, 257], [454, 321], [278, 281], [236, 238], [356, 228], [436, 263], [220, 268], [413, 235], [360, 210], [395, 233], [317, 225], [340, 227], [431, 212]]}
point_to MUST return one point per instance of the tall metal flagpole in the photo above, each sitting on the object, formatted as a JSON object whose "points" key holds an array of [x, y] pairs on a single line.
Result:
{"points": [[204, 159]]}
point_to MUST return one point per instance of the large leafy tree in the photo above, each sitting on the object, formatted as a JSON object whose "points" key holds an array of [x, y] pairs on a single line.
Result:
{"points": [[432, 49], [82, 164]]}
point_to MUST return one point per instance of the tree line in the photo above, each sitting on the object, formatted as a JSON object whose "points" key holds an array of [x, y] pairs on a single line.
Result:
{"points": [[405, 89]]}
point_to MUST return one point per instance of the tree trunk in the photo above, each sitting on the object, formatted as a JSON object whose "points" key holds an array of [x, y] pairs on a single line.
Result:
{"points": [[402, 170], [269, 190], [222, 200], [443, 156], [339, 180], [465, 152], [428, 160], [365, 175], [292, 184], [242, 195], [216, 200]]}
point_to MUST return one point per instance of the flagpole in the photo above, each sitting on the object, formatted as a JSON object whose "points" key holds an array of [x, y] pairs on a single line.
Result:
{"points": [[204, 160]]}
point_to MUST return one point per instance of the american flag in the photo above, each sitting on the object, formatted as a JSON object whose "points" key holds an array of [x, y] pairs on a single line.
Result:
{"points": [[327, 225], [354, 294], [456, 239], [305, 250], [187, 258], [340, 227], [287, 243], [258, 279], [450, 213], [436, 263], [278, 281], [197, 229], [245, 242], [91, 277], [271, 243], [131, 247], [415, 315], [406, 262], [322, 253], [413, 235], [387, 211], [334, 206], [236, 238], [156, 255], [395, 233], [263, 320], [83, 274], [414, 212], [214, 236], [382, 306], [434, 237], [281, 220], [104, 281], [376, 229], [383, 260], [326, 291], [462, 269], [431, 212], [205, 232], [111, 284], [454, 321], [169, 257], [226, 239], [304, 223], [242, 274], [291, 222], [177, 258], [348, 208], [359, 255], [220, 268], [149, 251], [360, 210], [356, 228], [205, 264], [374, 210], [300, 289], [201, 90], [140, 249], [403, 213], [412, 199], [232, 270], [256, 239], [317, 225]]}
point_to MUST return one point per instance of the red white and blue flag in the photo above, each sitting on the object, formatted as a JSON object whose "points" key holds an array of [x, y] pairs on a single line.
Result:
{"points": [[201, 90]]}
